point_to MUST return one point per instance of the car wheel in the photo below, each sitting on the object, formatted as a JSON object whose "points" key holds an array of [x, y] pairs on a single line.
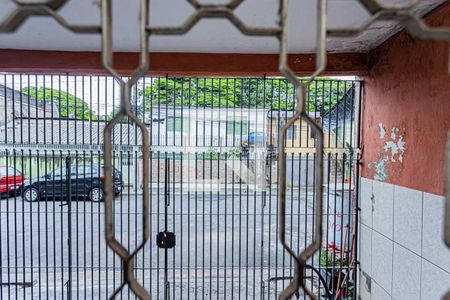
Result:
{"points": [[96, 194], [31, 194]]}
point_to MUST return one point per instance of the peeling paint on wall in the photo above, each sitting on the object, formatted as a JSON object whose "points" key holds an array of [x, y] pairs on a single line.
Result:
{"points": [[395, 147], [392, 152], [382, 131], [380, 170]]}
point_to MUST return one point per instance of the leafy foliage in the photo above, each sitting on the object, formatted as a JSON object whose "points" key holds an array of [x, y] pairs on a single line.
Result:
{"points": [[271, 93], [68, 105], [327, 258], [214, 154], [324, 93]]}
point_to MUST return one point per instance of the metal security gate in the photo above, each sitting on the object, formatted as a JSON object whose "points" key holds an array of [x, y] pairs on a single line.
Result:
{"points": [[213, 187]]}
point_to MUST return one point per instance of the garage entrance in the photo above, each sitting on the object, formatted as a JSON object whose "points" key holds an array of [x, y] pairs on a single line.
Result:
{"points": [[213, 189]]}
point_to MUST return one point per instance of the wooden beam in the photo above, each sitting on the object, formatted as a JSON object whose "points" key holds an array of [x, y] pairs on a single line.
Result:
{"points": [[171, 63]]}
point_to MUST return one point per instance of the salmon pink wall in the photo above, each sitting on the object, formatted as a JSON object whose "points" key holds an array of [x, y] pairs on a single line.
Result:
{"points": [[406, 111]]}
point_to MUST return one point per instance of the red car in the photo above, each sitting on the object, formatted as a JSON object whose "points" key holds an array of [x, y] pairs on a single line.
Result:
{"points": [[10, 180]]}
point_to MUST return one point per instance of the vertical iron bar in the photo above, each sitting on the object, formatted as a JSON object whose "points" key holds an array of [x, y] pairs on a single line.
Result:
{"points": [[151, 205], [47, 257], [277, 189], [233, 200], [173, 226], [158, 208], [344, 96], [91, 175], [39, 228], [358, 174], [8, 254], [24, 244], [257, 183], [69, 213], [306, 202], [166, 222], [15, 200], [264, 192], [203, 202], [291, 208], [247, 194], [225, 221], [196, 215], [210, 201], [273, 144], [240, 189], [61, 188], [181, 227]]}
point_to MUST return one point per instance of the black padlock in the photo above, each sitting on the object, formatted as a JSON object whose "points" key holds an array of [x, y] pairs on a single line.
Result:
{"points": [[165, 240]]}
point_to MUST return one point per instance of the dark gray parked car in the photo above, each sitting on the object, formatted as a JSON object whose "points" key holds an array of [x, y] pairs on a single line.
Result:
{"points": [[85, 181]]}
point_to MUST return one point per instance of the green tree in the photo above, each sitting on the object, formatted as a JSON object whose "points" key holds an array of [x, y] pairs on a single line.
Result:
{"points": [[68, 105], [324, 93], [273, 93]]}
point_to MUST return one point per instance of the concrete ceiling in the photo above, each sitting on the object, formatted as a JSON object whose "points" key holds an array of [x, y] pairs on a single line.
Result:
{"points": [[215, 36]]}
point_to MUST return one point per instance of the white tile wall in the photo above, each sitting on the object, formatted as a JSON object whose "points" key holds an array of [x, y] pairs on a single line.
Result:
{"points": [[365, 248], [401, 247], [383, 208], [406, 274], [366, 202], [408, 218], [365, 285], [434, 248], [382, 250], [378, 293], [435, 282]]}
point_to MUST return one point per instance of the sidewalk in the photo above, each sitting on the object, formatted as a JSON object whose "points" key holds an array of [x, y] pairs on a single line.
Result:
{"points": [[213, 186]]}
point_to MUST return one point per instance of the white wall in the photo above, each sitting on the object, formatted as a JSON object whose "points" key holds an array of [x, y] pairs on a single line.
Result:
{"points": [[401, 250]]}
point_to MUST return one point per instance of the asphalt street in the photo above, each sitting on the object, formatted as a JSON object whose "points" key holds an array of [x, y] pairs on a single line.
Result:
{"points": [[226, 245]]}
